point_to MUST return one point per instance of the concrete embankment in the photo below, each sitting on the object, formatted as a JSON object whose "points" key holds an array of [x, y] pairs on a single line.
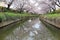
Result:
{"points": [[7, 23], [45, 21]]}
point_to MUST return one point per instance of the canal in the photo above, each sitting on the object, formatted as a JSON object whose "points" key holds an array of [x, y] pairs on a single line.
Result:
{"points": [[32, 29]]}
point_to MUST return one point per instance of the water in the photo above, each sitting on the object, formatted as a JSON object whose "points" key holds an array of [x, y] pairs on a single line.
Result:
{"points": [[32, 29]]}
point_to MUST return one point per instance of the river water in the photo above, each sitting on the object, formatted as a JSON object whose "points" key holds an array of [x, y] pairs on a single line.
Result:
{"points": [[32, 29]]}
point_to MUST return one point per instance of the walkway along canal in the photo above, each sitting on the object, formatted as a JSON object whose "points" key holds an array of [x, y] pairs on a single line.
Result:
{"points": [[32, 29]]}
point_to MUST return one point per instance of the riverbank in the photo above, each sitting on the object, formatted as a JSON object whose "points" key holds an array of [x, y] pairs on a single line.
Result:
{"points": [[53, 19], [7, 18], [7, 23]]}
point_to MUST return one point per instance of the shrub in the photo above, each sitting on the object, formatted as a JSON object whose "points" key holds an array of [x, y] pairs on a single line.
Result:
{"points": [[3, 9], [0, 19]]}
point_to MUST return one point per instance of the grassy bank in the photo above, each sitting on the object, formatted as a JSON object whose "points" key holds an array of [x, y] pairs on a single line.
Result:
{"points": [[52, 16], [55, 17], [6, 16]]}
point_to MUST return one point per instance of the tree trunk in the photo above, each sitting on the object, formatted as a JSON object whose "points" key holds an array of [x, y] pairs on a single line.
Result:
{"points": [[8, 6]]}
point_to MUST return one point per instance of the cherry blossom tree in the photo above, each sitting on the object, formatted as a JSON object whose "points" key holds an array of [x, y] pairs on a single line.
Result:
{"points": [[33, 6]]}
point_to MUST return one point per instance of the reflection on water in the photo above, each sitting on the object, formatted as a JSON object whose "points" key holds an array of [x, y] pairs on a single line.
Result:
{"points": [[32, 29]]}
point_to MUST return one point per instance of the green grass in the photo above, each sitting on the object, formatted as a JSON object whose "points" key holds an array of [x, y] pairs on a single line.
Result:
{"points": [[4, 16], [52, 15]]}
